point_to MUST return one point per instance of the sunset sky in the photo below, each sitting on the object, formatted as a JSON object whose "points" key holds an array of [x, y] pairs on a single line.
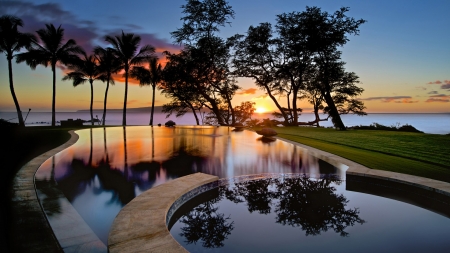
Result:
{"points": [[402, 54]]}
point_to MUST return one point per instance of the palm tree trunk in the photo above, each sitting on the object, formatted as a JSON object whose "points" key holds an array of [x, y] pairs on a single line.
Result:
{"points": [[104, 103], [92, 100], [13, 93], [54, 93], [153, 105], [124, 118]]}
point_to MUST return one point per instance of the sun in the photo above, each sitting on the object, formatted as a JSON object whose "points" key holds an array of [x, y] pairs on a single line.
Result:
{"points": [[260, 110]]}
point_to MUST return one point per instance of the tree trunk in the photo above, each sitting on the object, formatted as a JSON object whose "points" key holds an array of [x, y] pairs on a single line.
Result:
{"points": [[294, 105], [153, 105], [124, 118], [335, 117], [104, 103], [54, 93], [92, 100], [195, 114], [13, 93], [277, 104]]}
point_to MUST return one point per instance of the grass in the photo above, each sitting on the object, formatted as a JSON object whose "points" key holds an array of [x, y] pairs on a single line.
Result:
{"points": [[425, 155]]}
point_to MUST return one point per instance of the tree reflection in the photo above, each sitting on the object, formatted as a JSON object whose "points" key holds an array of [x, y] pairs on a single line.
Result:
{"points": [[255, 192], [204, 223], [314, 206]]}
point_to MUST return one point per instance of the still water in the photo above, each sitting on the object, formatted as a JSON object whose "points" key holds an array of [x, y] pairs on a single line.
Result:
{"points": [[108, 167], [301, 214]]}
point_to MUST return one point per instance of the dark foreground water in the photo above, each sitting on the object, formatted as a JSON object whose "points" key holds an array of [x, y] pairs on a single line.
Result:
{"points": [[108, 167], [301, 214]]}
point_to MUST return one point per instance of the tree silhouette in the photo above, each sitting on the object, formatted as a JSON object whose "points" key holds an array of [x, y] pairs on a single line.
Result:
{"points": [[205, 223], [86, 69], [108, 65], [151, 76], [300, 59], [11, 41], [50, 52], [204, 59], [313, 206], [126, 48]]}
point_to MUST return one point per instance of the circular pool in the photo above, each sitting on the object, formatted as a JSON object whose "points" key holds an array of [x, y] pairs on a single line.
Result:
{"points": [[299, 213]]}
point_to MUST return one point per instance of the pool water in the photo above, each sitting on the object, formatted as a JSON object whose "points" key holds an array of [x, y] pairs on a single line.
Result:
{"points": [[108, 167], [299, 213]]}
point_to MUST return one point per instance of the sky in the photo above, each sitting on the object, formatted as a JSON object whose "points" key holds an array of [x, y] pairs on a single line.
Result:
{"points": [[402, 54]]}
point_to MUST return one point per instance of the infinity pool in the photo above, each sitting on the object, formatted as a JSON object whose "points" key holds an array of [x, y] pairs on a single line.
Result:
{"points": [[108, 167]]}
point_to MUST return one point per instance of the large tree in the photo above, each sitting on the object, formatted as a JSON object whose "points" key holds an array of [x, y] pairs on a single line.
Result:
{"points": [[128, 51], [305, 47], [86, 69], [11, 41], [151, 76], [50, 51], [206, 55], [323, 35], [108, 65]]}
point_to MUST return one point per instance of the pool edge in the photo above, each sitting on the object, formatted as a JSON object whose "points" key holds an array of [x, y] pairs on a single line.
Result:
{"points": [[141, 224]]}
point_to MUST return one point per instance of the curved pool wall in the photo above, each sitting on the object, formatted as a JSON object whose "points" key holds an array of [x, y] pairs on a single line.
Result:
{"points": [[356, 170]]}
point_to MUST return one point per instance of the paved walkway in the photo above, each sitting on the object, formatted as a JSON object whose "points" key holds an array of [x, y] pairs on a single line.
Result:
{"points": [[30, 230]]}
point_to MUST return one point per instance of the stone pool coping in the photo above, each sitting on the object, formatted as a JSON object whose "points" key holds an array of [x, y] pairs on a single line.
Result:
{"points": [[141, 225]]}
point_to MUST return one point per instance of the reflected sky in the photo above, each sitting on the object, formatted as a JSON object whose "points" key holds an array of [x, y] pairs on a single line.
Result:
{"points": [[108, 167]]}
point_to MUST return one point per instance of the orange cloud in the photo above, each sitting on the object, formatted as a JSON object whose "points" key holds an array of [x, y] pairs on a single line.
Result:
{"points": [[395, 99], [441, 98], [435, 82], [247, 91]]}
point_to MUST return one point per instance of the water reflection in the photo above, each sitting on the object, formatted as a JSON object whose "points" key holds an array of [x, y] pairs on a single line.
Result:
{"points": [[108, 167], [206, 224], [309, 204]]}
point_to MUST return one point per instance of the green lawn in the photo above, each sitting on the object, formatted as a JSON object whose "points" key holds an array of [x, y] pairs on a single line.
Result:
{"points": [[425, 155]]}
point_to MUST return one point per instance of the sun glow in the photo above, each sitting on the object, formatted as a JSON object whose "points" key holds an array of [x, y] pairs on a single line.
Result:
{"points": [[260, 110]]}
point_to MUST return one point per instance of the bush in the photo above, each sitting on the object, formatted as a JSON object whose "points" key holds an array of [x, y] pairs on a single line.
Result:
{"points": [[376, 126]]}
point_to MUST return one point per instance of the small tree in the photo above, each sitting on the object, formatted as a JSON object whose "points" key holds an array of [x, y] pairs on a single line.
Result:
{"points": [[11, 41], [108, 65], [86, 69], [50, 52], [126, 49], [151, 76]]}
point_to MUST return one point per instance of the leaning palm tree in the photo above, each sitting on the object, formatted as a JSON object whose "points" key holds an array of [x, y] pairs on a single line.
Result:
{"points": [[108, 65], [50, 52], [151, 76], [126, 49], [86, 69], [11, 40]]}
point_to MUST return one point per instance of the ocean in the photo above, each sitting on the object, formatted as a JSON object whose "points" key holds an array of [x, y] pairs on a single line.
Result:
{"points": [[432, 123]]}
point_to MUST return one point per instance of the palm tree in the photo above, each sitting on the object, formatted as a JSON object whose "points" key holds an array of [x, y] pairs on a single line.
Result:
{"points": [[108, 65], [151, 76], [51, 52], [11, 40], [125, 47], [86, 69]]}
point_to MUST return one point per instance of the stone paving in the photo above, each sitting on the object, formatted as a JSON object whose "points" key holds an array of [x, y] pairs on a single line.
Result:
{"points": [[30, 230]]}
